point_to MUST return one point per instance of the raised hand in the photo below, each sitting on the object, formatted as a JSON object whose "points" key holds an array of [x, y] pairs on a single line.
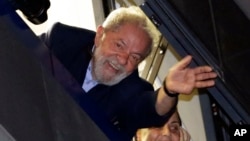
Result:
{"points": [[182, 79]]}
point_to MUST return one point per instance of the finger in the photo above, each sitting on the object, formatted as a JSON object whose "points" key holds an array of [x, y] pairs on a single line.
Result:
{"points": [[182, 138], [203, 84], [183, 63], [205, 76], [202, 69], [186, 135]]}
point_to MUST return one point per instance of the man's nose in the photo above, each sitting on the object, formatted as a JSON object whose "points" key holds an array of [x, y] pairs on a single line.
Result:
{"points": [[123, 58]]}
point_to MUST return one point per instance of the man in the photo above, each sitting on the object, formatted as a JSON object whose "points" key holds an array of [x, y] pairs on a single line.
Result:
{"points": [[170, 131], [105, 65]]}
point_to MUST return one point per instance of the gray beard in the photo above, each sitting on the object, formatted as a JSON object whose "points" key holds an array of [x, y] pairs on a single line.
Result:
{"points": [[99, 74]]}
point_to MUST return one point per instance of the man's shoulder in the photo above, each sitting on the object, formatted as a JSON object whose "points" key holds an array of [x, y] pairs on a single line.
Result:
{"points": [[62, 26], [62, 29], [61, 33]]}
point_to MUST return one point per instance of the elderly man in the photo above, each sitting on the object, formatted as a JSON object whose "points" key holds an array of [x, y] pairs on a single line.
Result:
{"points": [[105, 65]]}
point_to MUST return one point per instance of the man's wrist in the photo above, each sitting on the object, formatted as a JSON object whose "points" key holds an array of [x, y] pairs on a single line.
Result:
{"points": [[167, 92]]}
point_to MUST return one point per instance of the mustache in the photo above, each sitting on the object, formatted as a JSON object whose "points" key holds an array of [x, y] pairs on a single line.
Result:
{"points": [[115, 64]]}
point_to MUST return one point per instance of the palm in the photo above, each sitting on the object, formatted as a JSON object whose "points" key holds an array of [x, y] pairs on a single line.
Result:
{"points": [[182, 79]]}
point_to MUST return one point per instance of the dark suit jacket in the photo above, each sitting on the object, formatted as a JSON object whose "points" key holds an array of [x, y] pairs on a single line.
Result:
{"points": [[129, 105]]}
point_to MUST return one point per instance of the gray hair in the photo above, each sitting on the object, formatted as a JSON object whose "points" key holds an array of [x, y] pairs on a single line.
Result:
{"points": [[133, 15]]}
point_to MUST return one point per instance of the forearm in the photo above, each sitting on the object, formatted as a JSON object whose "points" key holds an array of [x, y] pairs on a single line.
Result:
{"points": [[164, 103]]}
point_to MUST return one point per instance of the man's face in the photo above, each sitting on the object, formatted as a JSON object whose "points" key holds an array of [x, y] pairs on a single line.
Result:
{"points": [[118, 53], [169, 132]]}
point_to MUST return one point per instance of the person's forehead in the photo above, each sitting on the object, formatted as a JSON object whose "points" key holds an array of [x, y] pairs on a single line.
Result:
{"points": [[174, 119], [133, 36]]}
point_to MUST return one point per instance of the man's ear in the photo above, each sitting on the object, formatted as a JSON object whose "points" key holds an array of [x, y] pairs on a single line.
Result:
{"points": [[100, 29], [99, 33]]}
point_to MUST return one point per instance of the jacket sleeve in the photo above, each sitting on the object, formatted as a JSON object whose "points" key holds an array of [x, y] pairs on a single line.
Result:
{"points": [[140, 111]]}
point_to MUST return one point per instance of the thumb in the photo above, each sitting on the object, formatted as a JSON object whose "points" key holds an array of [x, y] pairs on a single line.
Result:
{"points": [[183, 63]]}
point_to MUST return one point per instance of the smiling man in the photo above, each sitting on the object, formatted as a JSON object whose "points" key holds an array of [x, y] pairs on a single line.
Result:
{"points": [[118, 53], [105, 65]]}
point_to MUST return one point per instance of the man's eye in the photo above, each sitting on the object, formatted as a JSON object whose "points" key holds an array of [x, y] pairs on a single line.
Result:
{"points": [[118, 45], [135, 58]]}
